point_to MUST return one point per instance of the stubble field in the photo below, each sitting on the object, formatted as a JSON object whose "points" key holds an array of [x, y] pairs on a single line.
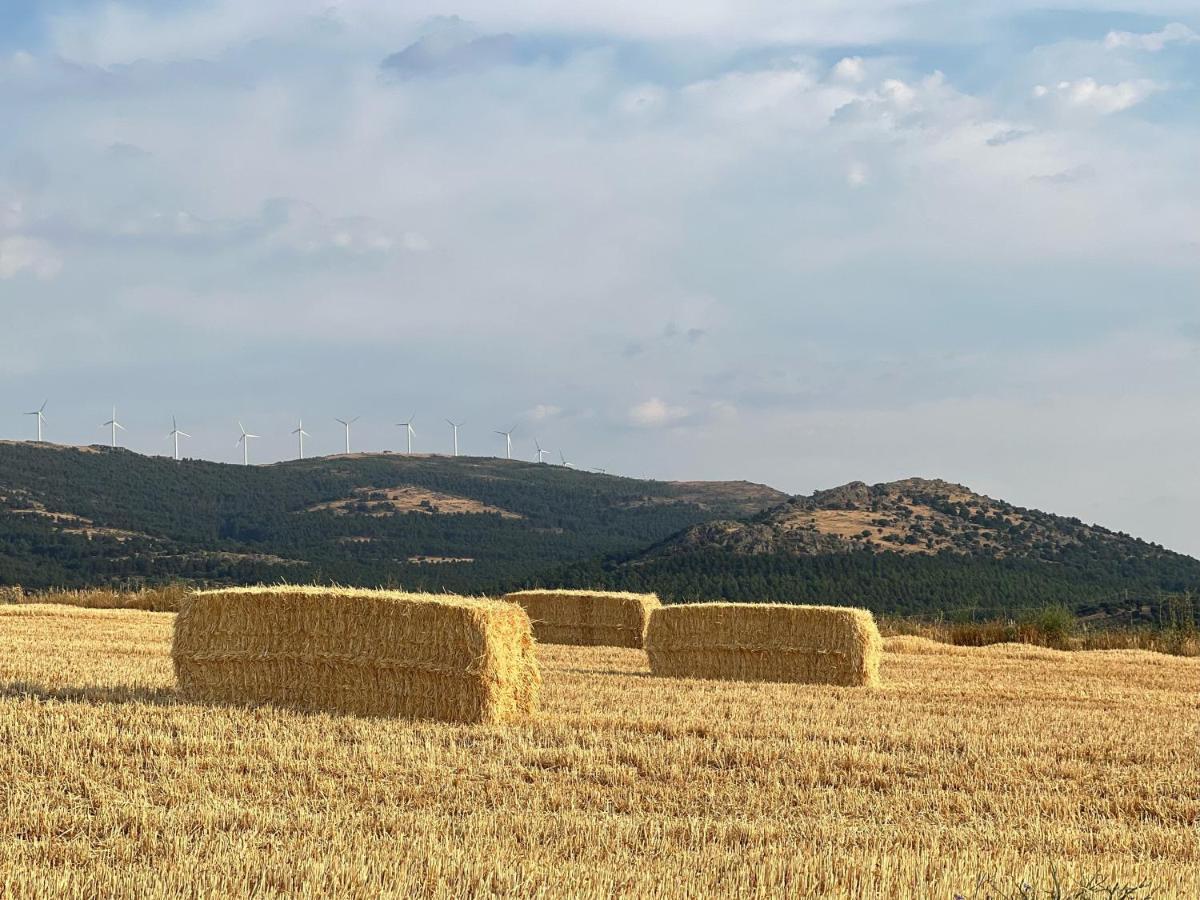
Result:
{"points": [[1004, 762]]}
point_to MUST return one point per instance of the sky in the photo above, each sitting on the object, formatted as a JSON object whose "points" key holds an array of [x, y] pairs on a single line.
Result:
{"points": [[799, 244]]}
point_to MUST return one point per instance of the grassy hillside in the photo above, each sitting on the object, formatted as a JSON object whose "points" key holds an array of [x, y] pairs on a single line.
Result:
{"points": [[79, 516], [914, 547]]}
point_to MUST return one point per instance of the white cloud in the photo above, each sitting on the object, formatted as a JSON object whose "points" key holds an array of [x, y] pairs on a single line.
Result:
{"points": [[1088, 94], [22, 254], [750, 93], [655, 413], [544, 411], [1154, 41], [851, 68], [857, 175], [415, 243]]}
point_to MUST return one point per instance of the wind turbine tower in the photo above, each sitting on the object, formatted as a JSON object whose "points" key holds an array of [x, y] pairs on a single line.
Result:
{"points": [[408, 432], [455, 426], [541, 454], [177, 434], [507, 435], [244, 440], [347, 423], [41, 419], [564, 460], [302, 434], [114, 425]]}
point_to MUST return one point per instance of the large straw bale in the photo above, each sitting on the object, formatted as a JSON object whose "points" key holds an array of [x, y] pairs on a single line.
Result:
{"points": [[588, 618], [765, 642], [383, 653]]}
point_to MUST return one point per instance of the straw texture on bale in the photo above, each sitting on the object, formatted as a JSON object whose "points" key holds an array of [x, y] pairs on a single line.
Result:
{"points": [[765, 642], [588, 618], [375, 653]]}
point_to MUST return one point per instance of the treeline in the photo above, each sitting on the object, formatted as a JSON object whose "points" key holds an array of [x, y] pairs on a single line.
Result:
{"points": [[969, 587]]}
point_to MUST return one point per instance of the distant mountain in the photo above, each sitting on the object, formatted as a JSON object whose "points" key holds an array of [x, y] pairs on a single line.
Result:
{"points": [[914, 546], [86, 515], [913, 516]]}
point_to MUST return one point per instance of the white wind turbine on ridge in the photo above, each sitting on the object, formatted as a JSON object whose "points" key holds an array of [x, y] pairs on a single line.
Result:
{"points": [[177, 434], [114, 425], [455, 426], [408, 432], [244, 441], [562, 457], [541, 454], [507, 435], [346, 423], [302, 434], [41, 419]]}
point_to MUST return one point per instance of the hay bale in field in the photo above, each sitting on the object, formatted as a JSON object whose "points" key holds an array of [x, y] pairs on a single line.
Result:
{"points": [[765, 642], [383, 653], [588, 618]]}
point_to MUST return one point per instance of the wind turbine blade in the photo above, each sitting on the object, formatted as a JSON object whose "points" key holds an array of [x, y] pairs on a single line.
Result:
{"points": [[122, 427], [184, 434]]}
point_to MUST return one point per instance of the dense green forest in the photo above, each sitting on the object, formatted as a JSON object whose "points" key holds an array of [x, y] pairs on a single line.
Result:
{"points": [[86, 516], [968, 587]]}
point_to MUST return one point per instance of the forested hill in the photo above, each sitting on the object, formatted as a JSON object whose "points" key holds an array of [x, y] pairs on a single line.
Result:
{"points": [[911, 547], [73, 516]]}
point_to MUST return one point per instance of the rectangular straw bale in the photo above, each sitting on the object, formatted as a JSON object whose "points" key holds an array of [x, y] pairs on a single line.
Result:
{"points": [[376, 653], [765, 642], [587, 618]]}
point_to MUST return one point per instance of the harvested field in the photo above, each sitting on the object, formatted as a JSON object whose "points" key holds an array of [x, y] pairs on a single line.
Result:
{"points": [[965, 763], [765, 642], [383, 653], [588, 618]]}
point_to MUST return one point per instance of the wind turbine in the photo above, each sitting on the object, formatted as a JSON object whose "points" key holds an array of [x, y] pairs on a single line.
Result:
{"points": [[302, 434], [564, 460], [408, 431], [244, 440], [541, 454], [114, 425], [347, 423], [177, 434], [507, 435], [41, 419], [455, 427]]}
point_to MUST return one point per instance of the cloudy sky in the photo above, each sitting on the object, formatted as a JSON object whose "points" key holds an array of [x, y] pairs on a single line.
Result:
{"points": [[711, 239]]}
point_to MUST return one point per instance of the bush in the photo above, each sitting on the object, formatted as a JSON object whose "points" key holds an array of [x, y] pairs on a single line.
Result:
{"points": [[1053, 626]]}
